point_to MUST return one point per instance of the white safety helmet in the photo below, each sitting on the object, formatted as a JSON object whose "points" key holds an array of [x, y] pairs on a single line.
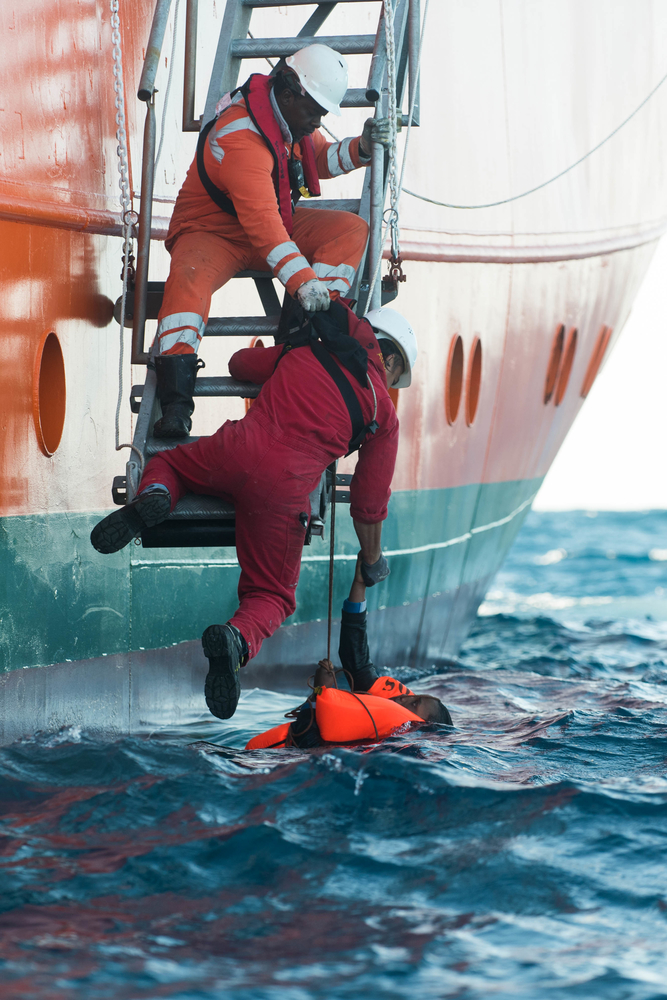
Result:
{"points": [[322, 73], [390, 324]]}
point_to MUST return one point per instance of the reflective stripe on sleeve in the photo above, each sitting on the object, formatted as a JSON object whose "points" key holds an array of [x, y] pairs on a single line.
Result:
{"points": [[291, 267], [339, 160], [280, 251]]}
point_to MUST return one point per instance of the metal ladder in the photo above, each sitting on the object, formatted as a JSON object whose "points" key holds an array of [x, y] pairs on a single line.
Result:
{"points": [[202, 520]]}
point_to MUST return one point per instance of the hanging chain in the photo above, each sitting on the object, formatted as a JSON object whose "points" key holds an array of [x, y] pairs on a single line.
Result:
{"points": [[128, 216]]}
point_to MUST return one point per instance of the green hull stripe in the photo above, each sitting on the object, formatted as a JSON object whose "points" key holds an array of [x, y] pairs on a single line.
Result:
{"points": [[61, 600]]}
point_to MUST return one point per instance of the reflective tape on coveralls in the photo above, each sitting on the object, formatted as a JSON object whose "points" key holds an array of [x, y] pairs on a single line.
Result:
{"points": [[180, 328], [337, 277], [339, 159]]}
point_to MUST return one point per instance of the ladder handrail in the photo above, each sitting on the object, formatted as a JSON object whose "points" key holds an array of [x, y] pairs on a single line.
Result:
{"points": [[154, 50], [146, 93]]}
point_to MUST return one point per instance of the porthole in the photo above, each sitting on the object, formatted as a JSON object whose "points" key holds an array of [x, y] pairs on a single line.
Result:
{"points": [[599, 351], [49, 393], [554, 363], [454, 379], [566, 366], [473, 380], [255, 342]]}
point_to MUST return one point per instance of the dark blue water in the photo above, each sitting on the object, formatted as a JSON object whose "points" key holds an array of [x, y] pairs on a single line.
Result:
{"points": [[521, 854]]}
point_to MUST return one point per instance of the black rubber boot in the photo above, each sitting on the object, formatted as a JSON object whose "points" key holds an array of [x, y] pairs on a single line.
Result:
{"points": [[119, 528], [226, 651], [176, 374]]}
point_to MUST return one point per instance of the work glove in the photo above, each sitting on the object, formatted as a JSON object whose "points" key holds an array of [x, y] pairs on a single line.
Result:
{"points": [[313, 296], [375, 130], [375, 573]]}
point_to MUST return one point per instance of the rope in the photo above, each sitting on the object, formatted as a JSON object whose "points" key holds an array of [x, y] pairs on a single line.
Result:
{"points": [[129, 217], [524, 194], [163, 123], [332, 549]]}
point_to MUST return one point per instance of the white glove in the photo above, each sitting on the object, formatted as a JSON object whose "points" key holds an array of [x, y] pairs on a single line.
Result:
{"points": [[375, 130], [313, 295]]}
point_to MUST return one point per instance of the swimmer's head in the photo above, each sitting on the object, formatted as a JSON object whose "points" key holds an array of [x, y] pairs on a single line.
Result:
{"points": [[427, 707]]}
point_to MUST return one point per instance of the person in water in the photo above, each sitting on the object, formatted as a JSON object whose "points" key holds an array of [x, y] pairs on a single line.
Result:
{"points": [[374, 706]]}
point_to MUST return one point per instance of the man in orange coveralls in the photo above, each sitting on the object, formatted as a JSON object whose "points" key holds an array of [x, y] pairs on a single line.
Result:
{"points": [[374, 707], [236, 210], [318, 402]]}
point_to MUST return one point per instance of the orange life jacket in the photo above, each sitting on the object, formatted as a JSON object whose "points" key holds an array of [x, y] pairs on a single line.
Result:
{"points": [[388, 687], [343, 717], [271, 738]]}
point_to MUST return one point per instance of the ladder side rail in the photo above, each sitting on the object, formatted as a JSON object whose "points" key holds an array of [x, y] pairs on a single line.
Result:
{"points": [[145, 420], [226, 65], [316, 19], [190, 123], [414, 38], [146, 93], [139, 355]]}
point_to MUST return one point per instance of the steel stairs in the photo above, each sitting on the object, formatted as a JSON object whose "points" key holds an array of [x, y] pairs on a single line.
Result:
{"points": [[201, 520]]}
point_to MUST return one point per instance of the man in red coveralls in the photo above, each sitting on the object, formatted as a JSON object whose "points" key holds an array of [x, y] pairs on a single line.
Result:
{"points": [[236, 210], [269, 462]]}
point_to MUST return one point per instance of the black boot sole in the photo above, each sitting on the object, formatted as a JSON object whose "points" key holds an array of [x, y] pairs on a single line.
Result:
{"points": [[118, 529], [223, 684]]}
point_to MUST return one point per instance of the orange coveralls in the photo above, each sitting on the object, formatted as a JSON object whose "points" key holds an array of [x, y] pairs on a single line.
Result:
{"points": [[208, 246]]}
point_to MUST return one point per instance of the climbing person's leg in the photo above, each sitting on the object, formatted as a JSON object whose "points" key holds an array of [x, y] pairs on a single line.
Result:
{"points": [[271, 518], [200, 263], [333, 243]]}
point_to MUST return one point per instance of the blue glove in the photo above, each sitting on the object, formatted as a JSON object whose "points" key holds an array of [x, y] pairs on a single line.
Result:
{"points": [[376, 573]]}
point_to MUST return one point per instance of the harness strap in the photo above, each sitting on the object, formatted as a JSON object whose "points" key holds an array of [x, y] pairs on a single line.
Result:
{"points": [[359, 428], [222, 200]]}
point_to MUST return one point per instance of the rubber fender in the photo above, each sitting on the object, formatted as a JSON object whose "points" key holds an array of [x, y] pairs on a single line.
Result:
{"points": [[270, 739], [343, 717], [388, 687]]}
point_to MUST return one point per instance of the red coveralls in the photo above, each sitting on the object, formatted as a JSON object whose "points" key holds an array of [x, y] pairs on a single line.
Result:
{"points": [[208, 246], [269, 462]]}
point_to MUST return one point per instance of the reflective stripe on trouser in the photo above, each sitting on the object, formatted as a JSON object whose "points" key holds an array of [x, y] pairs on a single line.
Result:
{"points": [[337, 277], [180, 333], [269, 534], [202, 262]]}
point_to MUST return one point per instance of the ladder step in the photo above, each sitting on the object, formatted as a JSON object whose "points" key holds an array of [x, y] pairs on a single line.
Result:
{"points": [[221, 385], [241, 326], [197, 507], [332, 204], [285, 3], [356, 97], [253, 48], [156, 445]]}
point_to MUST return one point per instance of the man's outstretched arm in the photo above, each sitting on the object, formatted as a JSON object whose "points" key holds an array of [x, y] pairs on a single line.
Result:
{"points": [[353, 647]]}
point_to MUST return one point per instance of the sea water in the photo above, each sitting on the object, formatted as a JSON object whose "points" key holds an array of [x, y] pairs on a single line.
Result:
{"points": [[519, 854]]}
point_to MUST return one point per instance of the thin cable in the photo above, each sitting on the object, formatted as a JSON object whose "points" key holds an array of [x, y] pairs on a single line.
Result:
{"points": [[524, 194], [129, 217], [166, 93], [332, 549]]}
